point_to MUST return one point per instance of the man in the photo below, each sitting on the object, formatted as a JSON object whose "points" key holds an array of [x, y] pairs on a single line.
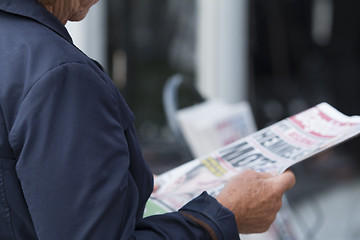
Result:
{"points": [[70, 162]]}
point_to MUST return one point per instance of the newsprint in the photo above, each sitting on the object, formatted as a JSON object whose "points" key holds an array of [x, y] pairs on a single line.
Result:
{"points": [[272, 149]]}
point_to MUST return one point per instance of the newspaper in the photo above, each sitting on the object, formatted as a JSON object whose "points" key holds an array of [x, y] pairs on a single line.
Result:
{"points": [[213, 124], [272, 149]]}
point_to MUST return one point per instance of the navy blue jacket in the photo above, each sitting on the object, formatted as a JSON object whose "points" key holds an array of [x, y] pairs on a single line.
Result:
{"points": [[70, 163]]}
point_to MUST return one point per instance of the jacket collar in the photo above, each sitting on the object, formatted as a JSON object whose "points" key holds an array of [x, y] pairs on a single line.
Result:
{"points": [[32, 9]]}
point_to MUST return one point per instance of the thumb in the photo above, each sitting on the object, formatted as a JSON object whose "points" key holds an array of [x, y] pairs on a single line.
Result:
{"points": [[284, 181]]}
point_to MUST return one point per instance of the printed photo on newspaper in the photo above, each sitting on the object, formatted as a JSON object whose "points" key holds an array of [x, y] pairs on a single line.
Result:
{"points": [[272, 149]]}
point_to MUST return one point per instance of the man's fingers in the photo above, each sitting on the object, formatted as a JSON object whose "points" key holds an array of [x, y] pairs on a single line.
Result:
{"points": [[285, 181]]}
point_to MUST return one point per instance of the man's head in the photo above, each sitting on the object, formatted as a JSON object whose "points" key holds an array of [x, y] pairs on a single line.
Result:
{"points": [[68, 10]]}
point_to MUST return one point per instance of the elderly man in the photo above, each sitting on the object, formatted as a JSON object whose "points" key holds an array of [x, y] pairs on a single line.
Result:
{"points": [[70, 163]]}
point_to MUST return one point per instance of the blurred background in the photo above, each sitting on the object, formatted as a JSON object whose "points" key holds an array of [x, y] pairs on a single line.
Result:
{"points": [[282, 56]]}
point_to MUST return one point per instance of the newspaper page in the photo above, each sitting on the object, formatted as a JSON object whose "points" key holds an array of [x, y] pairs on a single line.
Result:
{"points": [[272, 149]]}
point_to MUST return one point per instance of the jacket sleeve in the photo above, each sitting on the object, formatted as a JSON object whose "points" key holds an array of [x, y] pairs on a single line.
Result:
{"points": [[202, 213], [74, 166]]}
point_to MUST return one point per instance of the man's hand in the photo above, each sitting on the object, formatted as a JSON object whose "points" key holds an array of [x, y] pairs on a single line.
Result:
{"points": [[255, 198]]}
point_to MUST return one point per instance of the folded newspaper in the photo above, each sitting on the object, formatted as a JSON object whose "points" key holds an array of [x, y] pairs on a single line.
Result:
{"points": [[272, 149]]}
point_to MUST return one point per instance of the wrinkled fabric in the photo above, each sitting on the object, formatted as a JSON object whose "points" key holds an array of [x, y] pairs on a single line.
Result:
{"points": [[70, 162]]}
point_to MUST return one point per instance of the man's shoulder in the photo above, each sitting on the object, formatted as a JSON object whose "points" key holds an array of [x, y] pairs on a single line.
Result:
{"points": [[25, 38], [30, 50]]}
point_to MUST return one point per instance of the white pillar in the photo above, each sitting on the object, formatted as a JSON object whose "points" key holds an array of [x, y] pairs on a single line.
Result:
{"points": [[207, 39], [90, 34], [222, 49]]}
